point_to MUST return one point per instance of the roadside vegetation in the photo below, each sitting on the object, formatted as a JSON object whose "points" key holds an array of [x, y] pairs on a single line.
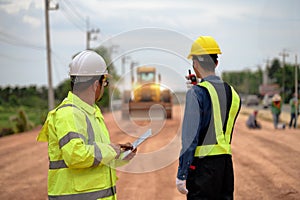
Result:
{"points": [[248, 81], [23, 108]]}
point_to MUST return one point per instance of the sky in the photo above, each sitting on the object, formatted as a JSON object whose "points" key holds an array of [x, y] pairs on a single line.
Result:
{"points": [[149, 33]]}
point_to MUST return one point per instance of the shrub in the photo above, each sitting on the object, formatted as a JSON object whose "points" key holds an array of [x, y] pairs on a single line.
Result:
{"points": [[20, 122], [6, 131]]}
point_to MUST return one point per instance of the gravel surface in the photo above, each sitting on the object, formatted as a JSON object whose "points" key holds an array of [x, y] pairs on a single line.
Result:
{"points": [[266, 162]]}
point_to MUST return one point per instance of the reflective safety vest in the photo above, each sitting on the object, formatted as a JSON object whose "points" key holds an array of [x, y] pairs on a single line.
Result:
{"points": [[80, 156], [223, 140]]}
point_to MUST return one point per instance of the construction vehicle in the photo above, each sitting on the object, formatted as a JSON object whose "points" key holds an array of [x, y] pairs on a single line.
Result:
{"points": [[147, 94]]}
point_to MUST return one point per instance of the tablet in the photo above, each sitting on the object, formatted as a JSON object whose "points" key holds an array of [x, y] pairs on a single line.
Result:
{"points": [[137, 143]]}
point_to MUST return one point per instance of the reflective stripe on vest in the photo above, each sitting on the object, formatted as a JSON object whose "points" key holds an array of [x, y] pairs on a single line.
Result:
{"points": [[59, 164], [223, 140], [89, 195]]}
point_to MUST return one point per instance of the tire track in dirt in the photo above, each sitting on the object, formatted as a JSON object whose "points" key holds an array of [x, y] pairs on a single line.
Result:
{"points": [[23, 167], [264, 164], [158, 183]]}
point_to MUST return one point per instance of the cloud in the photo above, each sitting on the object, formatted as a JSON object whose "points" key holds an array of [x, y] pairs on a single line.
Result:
{"points": [[15, 6], [33, 21]]}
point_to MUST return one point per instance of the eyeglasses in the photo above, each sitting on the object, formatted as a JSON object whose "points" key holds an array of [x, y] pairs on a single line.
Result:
{"points": [[105, 81]]}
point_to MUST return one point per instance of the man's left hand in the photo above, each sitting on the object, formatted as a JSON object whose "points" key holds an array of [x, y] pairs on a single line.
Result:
{"points": [[127, 146]]}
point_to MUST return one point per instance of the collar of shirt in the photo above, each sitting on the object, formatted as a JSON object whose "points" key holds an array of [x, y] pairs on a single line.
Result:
{"points": [[211, 78], [83, 105]]}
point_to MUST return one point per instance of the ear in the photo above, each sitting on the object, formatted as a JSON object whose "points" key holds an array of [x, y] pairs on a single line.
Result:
{"points": [[217, 62], [198, 65], [95, 85]]}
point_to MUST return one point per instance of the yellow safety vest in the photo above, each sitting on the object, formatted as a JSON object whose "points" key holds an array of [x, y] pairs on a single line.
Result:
{"points": [[79, 152], [223, 140]]}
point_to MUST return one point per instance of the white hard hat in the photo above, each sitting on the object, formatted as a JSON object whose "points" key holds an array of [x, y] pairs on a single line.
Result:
{"points": [[86, 65]]}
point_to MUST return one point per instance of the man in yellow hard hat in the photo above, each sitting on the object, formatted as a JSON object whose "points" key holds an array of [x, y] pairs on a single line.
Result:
{"points": [[205, 165], [81, 156]]}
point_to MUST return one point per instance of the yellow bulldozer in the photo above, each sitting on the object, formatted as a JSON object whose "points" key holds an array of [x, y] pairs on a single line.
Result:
{"points": [[147, 94]]}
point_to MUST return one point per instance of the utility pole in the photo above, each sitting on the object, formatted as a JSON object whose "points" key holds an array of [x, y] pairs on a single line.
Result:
{"points": [[49, 68], [112, 49], [132, 71], [90, 34], [265, 80], [124, 59], [284, 55], [296, 87]]}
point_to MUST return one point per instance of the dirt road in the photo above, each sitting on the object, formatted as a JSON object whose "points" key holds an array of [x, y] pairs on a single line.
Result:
{"points": [[266, 163]]}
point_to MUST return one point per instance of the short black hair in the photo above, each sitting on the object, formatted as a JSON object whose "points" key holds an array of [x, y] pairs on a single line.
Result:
{"points": [[80, 86], [207, 62]]}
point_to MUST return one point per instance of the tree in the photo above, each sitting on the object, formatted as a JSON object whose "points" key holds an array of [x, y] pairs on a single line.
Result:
{"points": [[105, 53], [245, 82], [283, 76], [274, 70], [4, 94], [61, 91]]}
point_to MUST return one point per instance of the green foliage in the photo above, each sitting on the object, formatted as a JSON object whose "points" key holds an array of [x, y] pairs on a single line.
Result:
{"points": [[105, 53], [283, 76], [62, 90], [274, 70], [26, 96], [34, 101], [6, 131], [20, 122], [245, 82]]}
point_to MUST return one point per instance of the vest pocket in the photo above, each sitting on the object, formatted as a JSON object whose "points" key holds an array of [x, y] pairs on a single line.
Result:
{"points": [[90, 179]]}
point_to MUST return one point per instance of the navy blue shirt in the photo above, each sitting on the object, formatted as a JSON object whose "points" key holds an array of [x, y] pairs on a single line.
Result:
{"points": [[196, 120]]}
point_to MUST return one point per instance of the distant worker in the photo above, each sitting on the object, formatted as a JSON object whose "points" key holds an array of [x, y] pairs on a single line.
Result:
{"points": [[252, 122], [205, 165], [276, 110], [294, 105], [81, 156]]}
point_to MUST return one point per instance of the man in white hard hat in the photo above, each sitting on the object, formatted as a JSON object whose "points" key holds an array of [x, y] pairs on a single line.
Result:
{"points": [[81, 156]]}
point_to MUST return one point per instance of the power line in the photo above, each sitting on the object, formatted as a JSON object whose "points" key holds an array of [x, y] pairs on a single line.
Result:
{"points": [[69, 18], [73, 16], [13, 40], [74, 9], [21, 59]]}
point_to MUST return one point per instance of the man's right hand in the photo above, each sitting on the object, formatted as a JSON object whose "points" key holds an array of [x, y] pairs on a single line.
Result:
{"points": [[188, 82], [181, 186]]}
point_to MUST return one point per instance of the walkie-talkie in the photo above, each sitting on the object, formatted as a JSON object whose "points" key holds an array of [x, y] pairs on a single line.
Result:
{"points": [[193, 78]]}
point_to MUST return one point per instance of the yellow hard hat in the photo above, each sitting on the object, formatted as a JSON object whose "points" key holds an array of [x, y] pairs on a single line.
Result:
{"points": [[204, 45]]}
